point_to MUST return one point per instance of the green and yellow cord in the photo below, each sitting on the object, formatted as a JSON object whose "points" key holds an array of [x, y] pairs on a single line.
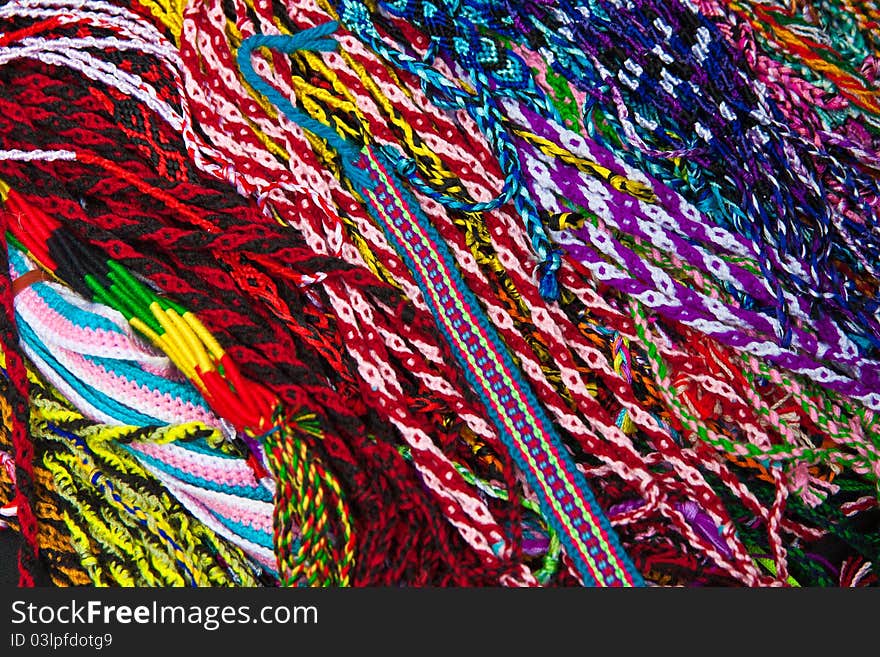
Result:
{"points": [[306, 493]]}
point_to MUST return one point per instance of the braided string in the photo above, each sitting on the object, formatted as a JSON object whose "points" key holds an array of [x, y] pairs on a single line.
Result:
{"points": [[725, 427], [15, 422]]}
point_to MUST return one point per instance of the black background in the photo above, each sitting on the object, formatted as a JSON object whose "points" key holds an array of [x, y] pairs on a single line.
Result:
{"points": [[9, 542]]}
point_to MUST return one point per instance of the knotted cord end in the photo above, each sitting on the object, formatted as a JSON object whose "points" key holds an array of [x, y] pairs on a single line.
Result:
{"points": [[548, 286]]}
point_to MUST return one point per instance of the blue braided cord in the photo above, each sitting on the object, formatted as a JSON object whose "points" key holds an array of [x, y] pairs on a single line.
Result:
{"points": [[310, 39], [95, 398], [406, 169], [259, 493], [497, 344]]}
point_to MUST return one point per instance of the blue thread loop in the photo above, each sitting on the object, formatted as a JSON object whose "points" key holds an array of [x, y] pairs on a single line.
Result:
{"points": [[312, 39]]}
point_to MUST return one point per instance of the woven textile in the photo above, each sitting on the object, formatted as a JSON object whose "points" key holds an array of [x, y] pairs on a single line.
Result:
{"points": [[448, 293]]}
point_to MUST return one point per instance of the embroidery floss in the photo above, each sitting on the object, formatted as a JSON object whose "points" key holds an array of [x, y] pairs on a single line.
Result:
{"points": [[453, 293]]}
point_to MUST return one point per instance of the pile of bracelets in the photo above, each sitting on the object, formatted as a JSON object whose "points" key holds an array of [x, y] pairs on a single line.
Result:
{"points": [[336, 293]]}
